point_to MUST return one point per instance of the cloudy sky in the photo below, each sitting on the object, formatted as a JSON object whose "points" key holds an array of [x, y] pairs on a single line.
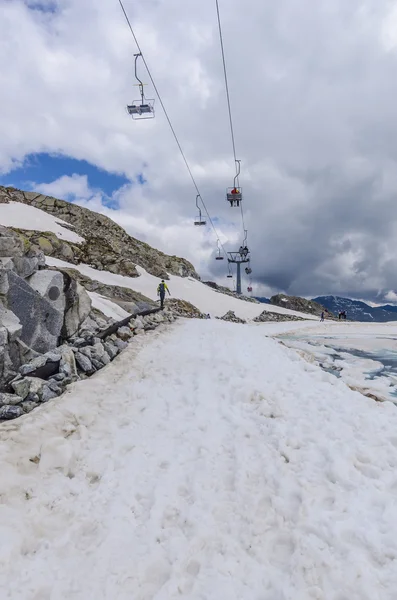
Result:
{"points": [[313, 89]]}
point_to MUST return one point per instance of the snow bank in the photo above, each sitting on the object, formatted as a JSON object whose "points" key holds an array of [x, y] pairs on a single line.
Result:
{"points": [[200, 295], [109, 308], [208, 462], [28, 217]]}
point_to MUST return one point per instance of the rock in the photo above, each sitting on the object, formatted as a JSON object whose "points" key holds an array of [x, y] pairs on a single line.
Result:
{"points": [[54, 356], [139, 331], [27, 406], [68, 362], [120, 344], [97, 351], [105, 359], [41, 322], [138, 323], [97, 364], [58, 377], [10, 322], [83, 362], [182, 308], [78, 307], [125, 333], [270, 317], [9, 399], [40, 361], [49, 284], [231, 317], [10, 412], [111, 349], [32, 398], [28, 264], [21, 387], [49, 394], [45, 245], [11, 245]]}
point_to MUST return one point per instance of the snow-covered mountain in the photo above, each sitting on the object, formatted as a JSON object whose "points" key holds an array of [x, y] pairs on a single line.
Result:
{"points": [[357, 310]]}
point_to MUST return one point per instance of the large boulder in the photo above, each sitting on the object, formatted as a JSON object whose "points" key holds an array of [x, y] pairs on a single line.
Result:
{"points": [[49, 284], [41, 320], [11, 244]]}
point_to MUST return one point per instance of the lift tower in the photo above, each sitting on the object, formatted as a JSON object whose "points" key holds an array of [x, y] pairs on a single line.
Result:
{"points": [[238, 258]]}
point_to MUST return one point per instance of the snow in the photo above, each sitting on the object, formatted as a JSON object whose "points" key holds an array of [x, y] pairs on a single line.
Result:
{"points": [[24, 216], [200, 295], [363, 355], [107, 307], [208, 461]]}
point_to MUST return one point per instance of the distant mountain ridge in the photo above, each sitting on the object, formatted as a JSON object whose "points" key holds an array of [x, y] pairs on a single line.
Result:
{"points": [[357, 310]]}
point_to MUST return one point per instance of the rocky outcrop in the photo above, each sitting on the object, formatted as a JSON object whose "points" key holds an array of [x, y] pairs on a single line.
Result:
{"points": [[182, 308], [272, 317], [128, 299], [300, 305], [38, 307], [106, 245], [46, 376], [231, 317]]}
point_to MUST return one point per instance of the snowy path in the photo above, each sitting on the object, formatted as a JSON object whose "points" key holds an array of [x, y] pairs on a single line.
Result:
{"points": [[210, 463]]}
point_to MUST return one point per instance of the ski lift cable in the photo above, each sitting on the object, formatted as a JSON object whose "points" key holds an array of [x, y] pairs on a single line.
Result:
{"points": [[228, 102], [170, 124]]}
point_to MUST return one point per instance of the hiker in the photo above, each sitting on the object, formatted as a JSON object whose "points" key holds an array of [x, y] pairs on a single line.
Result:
{"points": [[161, 292], [322, 316]]}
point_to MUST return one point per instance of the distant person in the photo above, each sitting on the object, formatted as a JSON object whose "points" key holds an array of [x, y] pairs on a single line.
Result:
{"points": [[322, 316], [161, 288]]}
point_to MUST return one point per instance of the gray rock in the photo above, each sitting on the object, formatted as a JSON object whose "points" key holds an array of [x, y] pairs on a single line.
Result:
{"points": [[58, 377], [10, 412], [25, 266], [49, 284], [40, 361], [35, 386], [80, 341], [87, 351], [7, 399], [231, 317], [27, 406], [83, 362], [105, 358], [54, 356], [21, 387], [10, 322], [120, 344], [41, 322], [32, 398], [55, 386], [111, 349], [97, 364], [97, 351], [124, 333], [48, 394], [139, 331], [78, 307], [68, 362], [10, 243]]}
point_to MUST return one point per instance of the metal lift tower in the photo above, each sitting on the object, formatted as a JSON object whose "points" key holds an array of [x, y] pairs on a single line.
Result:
{"points": [[238, 258]]}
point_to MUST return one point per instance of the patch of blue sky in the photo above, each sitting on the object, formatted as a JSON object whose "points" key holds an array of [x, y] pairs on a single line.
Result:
{"points": [[45, 168]]}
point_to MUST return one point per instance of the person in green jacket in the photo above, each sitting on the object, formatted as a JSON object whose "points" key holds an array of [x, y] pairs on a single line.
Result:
{"points": [[161, 289]]}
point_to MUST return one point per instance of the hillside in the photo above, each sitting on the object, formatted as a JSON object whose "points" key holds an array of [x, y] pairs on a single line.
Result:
{"points": [[84, 236], [357, 310], [81, 242]]}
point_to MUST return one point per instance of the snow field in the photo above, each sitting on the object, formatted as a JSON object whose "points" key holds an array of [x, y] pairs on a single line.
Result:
{"points": [[200, 295], [206, 462], [24, 216]]}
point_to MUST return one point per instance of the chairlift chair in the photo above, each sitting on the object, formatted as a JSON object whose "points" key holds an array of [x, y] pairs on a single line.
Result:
{"points": [[248, 270], [143, 108], [234, 194], [199, 220], [219, 255], [249, 288]]}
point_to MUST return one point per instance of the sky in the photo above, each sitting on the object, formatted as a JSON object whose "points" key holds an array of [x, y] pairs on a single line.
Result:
{"points": [[313, 95]]}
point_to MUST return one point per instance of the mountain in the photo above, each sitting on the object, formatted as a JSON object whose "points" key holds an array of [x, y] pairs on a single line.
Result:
{"points": [[262, 299], [299, 304], [357, 310]]}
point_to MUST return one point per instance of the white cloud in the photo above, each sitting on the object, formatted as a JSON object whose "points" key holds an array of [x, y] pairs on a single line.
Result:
{"points": [[315, 123]]}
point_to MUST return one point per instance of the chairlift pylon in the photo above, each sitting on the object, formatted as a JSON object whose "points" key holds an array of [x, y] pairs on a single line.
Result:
{"points": [[234, 195], [219, 255], [199, 220], [143, 108]]}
